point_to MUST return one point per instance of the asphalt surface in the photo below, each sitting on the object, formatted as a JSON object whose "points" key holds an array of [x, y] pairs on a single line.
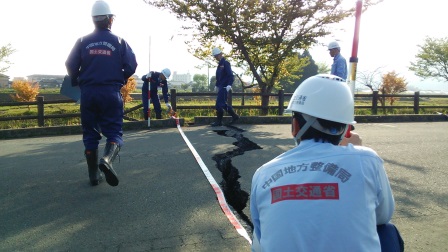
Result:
{"points": [[165, 203]]}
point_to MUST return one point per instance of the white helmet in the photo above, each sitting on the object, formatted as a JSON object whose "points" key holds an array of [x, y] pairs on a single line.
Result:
{"points": [[333, 45], [101, 8], [216, 51], [166, 72], [324, 96]]}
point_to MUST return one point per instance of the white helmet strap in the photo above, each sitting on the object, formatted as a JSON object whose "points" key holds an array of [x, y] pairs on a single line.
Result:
{"points": [[312, 121], [316, 125], [304, 129]]}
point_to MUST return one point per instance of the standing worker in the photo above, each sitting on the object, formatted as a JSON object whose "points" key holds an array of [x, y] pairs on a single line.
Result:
{"points": [[154, 80], [101, 63], [322, 196], [224, 81], [339, 66]]}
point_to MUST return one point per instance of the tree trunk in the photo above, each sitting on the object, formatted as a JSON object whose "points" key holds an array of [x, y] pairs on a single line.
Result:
{"points": [[264, 104], [265, 91]]}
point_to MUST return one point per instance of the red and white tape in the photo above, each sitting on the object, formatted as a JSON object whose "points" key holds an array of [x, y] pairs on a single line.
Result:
{"points": [[219, 193]]}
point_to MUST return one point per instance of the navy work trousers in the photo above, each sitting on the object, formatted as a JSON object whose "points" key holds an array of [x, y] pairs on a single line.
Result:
{"points": [[155, 100], [221, 100], [101, 113]]}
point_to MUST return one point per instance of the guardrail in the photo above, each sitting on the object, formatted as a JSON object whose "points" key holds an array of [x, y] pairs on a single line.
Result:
{"points": [[280, 106]]}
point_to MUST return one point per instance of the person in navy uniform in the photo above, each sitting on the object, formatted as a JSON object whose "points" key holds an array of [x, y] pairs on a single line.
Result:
{"points": [[224, 81], [154, 80], [100, 63]]}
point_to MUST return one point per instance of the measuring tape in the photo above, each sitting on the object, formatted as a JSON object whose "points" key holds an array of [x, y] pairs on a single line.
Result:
{"points": [[219, 193]]}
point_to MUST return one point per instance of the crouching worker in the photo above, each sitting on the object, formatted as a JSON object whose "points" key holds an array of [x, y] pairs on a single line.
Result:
{"points": [[151, 82], [320, 195]]}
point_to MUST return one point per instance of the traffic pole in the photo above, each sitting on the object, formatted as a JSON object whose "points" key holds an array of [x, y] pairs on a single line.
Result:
{"points": [[354, 57], [149, 84]]}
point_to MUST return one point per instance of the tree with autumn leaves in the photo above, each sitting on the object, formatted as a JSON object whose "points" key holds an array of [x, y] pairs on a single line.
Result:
{"points": [[26, 91], [392, 84], [127, 89]]}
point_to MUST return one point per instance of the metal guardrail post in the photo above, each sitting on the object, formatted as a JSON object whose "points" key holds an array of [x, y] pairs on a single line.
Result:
{"points": [[416, 102], [40, 111]]}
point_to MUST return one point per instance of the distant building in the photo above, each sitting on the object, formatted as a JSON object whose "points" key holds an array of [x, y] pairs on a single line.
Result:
{"points": [[4, 81], [179, 79], [46, 80]]}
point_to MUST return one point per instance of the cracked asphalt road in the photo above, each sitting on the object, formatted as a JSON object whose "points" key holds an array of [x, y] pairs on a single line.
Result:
{"points": [[164, 202]]}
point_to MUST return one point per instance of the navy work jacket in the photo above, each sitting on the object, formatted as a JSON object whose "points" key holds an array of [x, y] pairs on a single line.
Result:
{"points": [[101, 58]]}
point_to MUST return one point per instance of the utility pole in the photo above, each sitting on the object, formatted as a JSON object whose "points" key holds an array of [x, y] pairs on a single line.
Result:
{"points": [[149, 54]]}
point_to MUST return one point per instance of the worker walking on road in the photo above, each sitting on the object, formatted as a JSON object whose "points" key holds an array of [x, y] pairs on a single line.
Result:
{"points": [[224, 81], [101, 63], [339, 66], [322, 196], [154, 80]]}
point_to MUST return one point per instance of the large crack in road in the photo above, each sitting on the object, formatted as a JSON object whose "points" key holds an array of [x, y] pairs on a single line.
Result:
{"points": [[235, 196]]}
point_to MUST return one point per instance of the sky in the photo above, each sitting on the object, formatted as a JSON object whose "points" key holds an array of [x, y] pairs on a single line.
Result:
{"points": [[43, 32]]}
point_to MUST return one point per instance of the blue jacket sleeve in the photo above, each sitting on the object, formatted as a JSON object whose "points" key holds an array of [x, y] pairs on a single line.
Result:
{"points": [[73, 63], [165, 90], [228, 74], [129, 60]]}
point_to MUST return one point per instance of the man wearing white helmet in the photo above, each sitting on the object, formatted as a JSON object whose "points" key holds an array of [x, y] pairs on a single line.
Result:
{"points": [[321, 196], [339, 66], [101, 63], [154, 81], [224, 82]]}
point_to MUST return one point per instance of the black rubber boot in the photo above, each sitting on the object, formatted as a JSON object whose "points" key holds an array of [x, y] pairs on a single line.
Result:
{"points": [[92, 163], [235, 117], [110, 153], [218, 122]]}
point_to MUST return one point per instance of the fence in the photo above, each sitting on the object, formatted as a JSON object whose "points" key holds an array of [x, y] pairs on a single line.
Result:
{"points": [[374, 97], [280, 97]]}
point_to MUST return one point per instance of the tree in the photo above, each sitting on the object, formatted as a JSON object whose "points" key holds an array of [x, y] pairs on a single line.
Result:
{"points": [[323, 68], [432, 59], [392, 84], [25, 91], [370, 79], [263, 34], [294, 67], [200, 83], [238, 83], [298, 73], [127, 89], [212, 84], [184, 86], [5, 52]]}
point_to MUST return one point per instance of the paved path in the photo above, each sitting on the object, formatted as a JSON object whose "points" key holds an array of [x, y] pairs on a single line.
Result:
{"points": [[164, 202]]}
